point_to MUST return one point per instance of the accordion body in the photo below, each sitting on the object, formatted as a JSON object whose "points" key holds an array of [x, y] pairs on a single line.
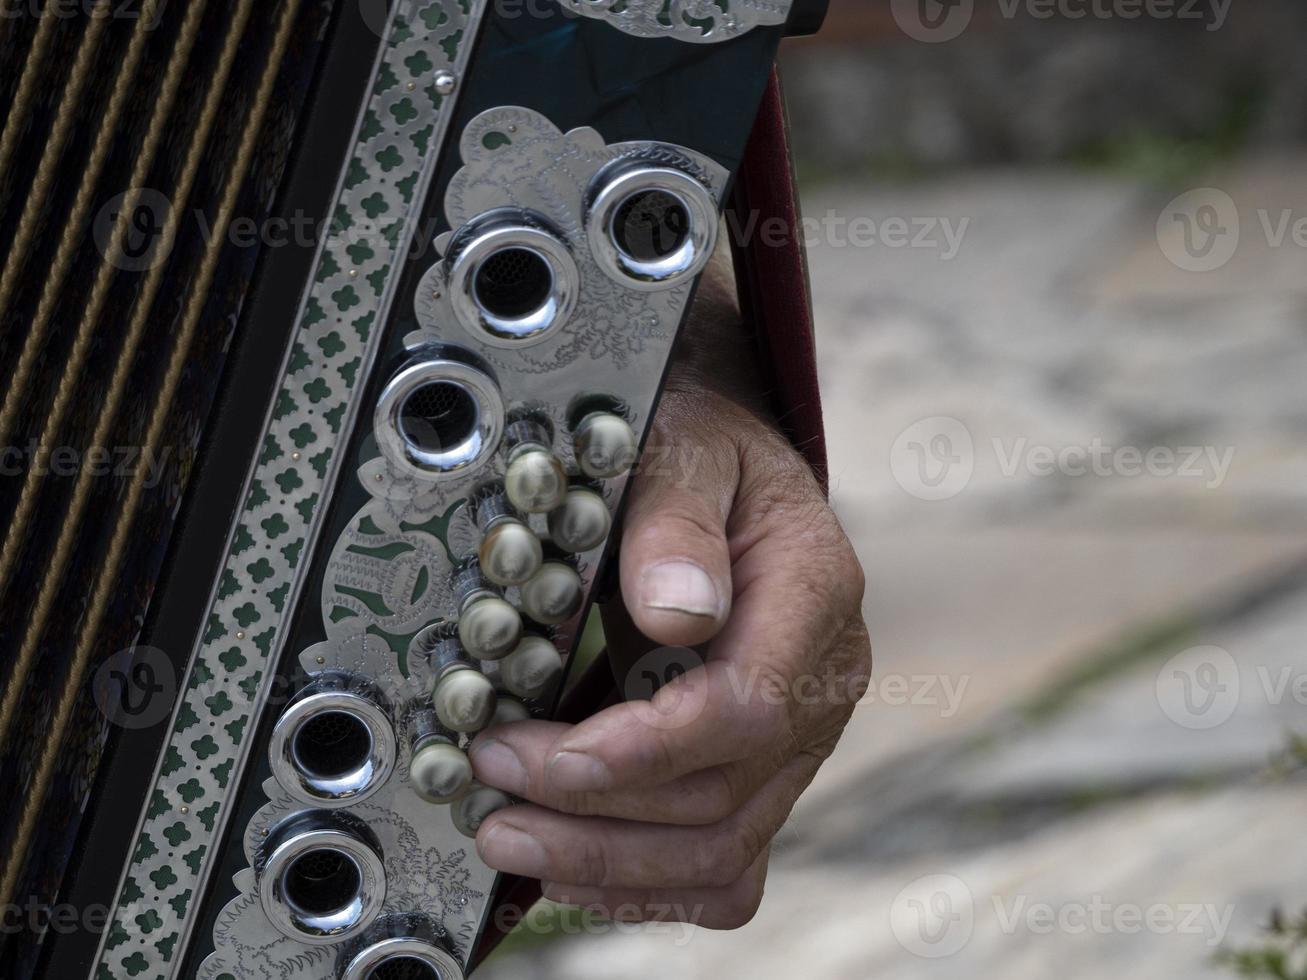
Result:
{"points": [[331, 334]]}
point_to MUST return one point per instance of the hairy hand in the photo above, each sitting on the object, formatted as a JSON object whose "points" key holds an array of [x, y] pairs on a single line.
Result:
{"points": [[666, 808]]}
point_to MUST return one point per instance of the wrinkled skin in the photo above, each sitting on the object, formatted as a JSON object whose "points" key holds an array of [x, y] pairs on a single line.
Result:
{"points": [[666, 808]]}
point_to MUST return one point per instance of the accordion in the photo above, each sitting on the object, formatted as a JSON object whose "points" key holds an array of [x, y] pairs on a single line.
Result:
{"points": [[332, 331]]}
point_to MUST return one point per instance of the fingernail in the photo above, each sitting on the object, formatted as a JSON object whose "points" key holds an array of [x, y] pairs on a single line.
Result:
{"points": [[506, 848], [576, 772], [495, 764], [679, 586]]}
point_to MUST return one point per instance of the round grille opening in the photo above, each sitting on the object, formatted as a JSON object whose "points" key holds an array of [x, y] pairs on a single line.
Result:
{"points": [[404, 968], [322, 882], [513, 283], [651, 225], [333, 744], [439, 416]]}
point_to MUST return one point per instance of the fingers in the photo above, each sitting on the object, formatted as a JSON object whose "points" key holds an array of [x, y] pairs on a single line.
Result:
{"points": [[675, 563], [672, 801], [515, 758], [752, 698], [698, 721], [603, 853], [710, 908]]}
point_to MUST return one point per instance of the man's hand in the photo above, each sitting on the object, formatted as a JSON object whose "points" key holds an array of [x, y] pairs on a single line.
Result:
{"points": [[667, 808]]}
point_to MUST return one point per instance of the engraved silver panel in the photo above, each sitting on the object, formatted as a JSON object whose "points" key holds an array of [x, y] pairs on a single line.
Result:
{"points": [[390, 576], [695, 21]]}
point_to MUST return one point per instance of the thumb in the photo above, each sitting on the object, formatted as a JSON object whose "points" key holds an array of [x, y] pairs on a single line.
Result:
{"points": [[675, 561]]}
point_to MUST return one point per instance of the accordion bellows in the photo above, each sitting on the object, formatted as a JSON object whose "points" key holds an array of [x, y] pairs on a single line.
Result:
{"points": [[128, 141]]}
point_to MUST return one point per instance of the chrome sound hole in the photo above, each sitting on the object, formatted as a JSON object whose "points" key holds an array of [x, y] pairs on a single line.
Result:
{"points": [[439, 417], [651, 227], [323, 885], [332, 748], [403, 958], [512, 282], [322, 882]]}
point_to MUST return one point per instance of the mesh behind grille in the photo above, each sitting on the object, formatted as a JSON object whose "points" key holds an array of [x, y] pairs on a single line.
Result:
{"points": [[439, 416], [513, 282], [332, 742], [322, 882]]}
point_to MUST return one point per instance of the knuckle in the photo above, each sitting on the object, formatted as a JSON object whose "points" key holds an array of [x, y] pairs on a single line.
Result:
{"points": [[732, 851], [661, 756], [784, 495], [754, 840], [763, 720], [725, 794], [843, 566], [721, 855], [591, 865], [739, 906], [852, 571], [864, 657], [721, 865], [856, 662]]}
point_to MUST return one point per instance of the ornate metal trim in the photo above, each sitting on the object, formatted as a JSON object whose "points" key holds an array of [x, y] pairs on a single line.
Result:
{"points": [[398, 135], [394, 571], [694, 21]]}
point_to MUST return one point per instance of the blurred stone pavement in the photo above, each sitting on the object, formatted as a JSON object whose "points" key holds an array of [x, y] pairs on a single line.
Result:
{"points": [[1083, 672]]}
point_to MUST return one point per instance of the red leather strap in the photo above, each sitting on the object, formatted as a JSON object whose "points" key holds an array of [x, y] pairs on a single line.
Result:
{"points": [[773, 274], [773, 277]]}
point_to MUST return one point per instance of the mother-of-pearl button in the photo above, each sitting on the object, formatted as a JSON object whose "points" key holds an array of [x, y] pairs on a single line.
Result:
{"points": [[554, 594], [605, 445], [489, 628], [582, 523], [510, 553], [470, 810], [464, 700], [440, 772], [532, 669], [535, 482]]}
